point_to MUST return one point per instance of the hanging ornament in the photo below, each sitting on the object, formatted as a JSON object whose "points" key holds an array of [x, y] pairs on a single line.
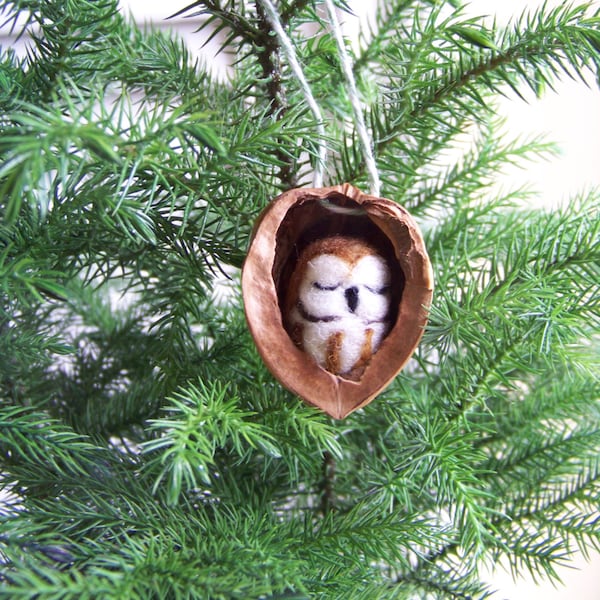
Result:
{"points": [[336, 283], [336, 288]]}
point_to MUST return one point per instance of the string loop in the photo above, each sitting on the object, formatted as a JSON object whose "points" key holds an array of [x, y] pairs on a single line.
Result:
{"points": [[290, 53], [361, 128]]}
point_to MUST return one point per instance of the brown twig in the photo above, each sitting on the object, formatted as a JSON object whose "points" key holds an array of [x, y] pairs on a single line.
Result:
{"points": [[269, 58], [327, 483]]}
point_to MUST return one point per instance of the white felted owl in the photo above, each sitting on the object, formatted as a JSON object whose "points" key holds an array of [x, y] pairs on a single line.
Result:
{"points": [[338, 303]]}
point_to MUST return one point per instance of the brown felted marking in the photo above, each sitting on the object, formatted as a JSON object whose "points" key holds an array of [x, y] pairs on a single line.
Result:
{"points": [[348, 248], [365, 357], [334, 347], [367, 349], [296, 334]]}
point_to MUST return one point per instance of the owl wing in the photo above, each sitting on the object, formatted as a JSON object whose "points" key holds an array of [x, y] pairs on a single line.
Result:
{"points": [[297, 334], [333, 359], [366, 353]]}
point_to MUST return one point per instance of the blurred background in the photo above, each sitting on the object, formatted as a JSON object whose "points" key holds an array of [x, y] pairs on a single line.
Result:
{"points": [[568, 116]]}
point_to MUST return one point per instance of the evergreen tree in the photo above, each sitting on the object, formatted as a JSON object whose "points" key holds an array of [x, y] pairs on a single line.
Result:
{"points": [[146, 450]]}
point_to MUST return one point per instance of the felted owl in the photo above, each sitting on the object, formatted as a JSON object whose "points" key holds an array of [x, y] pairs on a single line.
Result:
{"points": [[337, 308]]}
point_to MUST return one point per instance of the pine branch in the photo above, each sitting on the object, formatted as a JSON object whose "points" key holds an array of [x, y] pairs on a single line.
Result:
{"points": [[41, 457], [202, 421], [388, 19], [361, 535], [146, 449], [468, 180], [67, 38], [497, 295], [255, 31], [327, 484], [540, 479], [293, 10], [442, 79], [459, 588], [269, 58], [240, 27]]}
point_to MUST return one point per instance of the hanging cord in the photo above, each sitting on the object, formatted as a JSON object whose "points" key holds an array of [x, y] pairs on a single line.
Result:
{"points": [[361, 128], [290, 53]]}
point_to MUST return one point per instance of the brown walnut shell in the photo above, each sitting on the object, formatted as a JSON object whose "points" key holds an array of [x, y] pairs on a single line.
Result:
{"points": [[289, 224]]}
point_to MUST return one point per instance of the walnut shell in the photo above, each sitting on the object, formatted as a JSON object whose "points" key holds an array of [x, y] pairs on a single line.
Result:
{"points": [[286, 226]]}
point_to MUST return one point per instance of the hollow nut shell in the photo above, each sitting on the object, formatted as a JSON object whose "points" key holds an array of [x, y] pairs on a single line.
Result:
{"points": [[289, 223]]}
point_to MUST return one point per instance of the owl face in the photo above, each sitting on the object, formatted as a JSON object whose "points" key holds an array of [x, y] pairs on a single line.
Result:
{"points": [[334, 288], [339, 303]]}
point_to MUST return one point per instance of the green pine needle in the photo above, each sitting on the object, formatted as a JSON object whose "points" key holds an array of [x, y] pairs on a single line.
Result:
{"points": [[145, 450]]}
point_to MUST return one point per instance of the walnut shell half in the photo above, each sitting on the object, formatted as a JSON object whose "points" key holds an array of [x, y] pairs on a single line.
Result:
{"points": [[287, 225]]}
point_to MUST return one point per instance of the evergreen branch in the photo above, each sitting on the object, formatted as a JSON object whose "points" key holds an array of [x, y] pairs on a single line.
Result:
{"points": [[91, 514], [181, 80], [568, 517], [161, 558], [269, 58], [129, 183], [444, 461], [327, 484], [265, 47], [568, 524], [68, 35], [22, 278], [305, 438], [434, 465], [204, 421], [458, 587], [546, 40], [583, 529], [469, 178], [293, 10], [543, 408], [100, 369], [538, 557], [437, 83], [43, 452], [239, 25], [388, 20], [18, 12], [576, 450], [507, 293], [539, 478], [361, 535]]}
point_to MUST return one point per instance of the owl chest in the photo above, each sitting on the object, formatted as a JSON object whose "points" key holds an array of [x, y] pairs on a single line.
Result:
{"points": [[341, 345]]}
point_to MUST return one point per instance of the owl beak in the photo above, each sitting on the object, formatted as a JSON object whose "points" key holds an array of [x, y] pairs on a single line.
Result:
{"points": [[351, 295]]}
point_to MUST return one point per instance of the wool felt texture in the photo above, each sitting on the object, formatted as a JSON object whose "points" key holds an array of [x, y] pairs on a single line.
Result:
{"points": [[339, 302]]}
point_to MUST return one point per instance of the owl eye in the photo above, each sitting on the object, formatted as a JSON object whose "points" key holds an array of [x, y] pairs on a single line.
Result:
{"points": [[327, 288], [378, 290]]}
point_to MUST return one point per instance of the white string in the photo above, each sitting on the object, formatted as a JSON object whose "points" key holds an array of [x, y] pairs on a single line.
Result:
{"points": [[290, 53], [361, 127]]}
